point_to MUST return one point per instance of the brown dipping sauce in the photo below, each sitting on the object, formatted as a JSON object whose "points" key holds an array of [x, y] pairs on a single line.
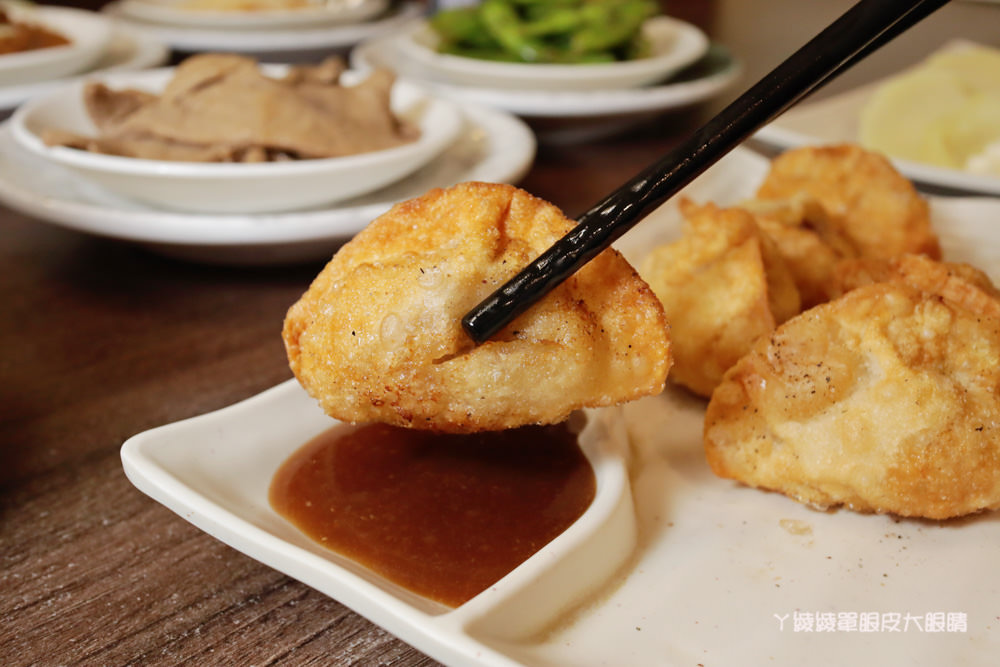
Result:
{"points": [[444, 516]]}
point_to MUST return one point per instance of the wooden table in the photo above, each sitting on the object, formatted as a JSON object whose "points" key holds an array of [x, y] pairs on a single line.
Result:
{"points": [[101, 340]]}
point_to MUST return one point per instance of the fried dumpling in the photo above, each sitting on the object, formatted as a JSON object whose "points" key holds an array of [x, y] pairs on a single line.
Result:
{"points": [[808, 238], [722, 285], [377, 336], [886, 399], [880, 211]]}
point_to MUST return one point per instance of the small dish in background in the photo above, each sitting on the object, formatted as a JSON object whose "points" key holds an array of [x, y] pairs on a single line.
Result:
{"points": [[127, 50], [674, 44], [571, 116], [290, 44], [217, 15], [838, 118], [235, 188], [88, 35], [493, 146]]}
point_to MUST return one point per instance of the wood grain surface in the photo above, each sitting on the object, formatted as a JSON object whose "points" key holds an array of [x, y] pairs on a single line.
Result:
{"points": [[100, 340]]}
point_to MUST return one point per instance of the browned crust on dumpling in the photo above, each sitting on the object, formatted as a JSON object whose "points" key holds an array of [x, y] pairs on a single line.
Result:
{"points": [[881, 211], [885, 400], [722, 285], [377, 337]]}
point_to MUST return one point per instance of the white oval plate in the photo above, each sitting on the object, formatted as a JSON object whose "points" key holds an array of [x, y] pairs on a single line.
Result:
{"points": [[87, 32], [320, 13], [278, 45], [722, 574], [234, 188], [493, 146], [674, 45]]}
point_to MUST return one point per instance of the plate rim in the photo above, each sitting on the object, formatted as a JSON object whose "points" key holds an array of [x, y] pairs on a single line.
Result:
{"points": [[161, 13], [566, 103], [690, 44], [264, 42]]}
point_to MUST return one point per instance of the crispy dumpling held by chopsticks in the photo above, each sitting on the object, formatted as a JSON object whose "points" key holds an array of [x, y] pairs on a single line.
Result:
{"points": [[377, 336], [886, 399]]}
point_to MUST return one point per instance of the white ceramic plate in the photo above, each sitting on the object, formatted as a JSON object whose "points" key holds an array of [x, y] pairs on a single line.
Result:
{"points": [[673, 44], [836, 119], [571, 115], [234, 188], [278, 45], [319, 13], [721, 574], [215, 471], [87, 32], [493, 146], [127, 50]]}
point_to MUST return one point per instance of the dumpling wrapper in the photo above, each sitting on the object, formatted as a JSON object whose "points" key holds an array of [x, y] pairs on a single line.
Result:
{"points": [[722, 285], [886, 399], [377, 336], [875, 207]]}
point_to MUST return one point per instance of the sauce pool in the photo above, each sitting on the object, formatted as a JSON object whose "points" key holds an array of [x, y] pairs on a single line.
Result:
{"points": [[445, 516]]}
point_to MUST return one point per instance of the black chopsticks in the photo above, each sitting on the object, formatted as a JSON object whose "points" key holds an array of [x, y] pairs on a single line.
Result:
{"points": [[861, 30]]}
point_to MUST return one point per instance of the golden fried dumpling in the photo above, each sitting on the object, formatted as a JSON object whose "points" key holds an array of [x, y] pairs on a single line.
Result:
{"points": [[377, 337], [886, 399], [811, 242], [879, 209], [916, 270], [722, 285]]}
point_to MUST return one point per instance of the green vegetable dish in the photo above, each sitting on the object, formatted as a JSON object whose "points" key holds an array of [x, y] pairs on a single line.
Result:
{"points": [[546, 31]]}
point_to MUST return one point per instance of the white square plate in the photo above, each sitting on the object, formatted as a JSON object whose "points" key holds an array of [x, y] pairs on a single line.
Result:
{"points": [[715, 573]]}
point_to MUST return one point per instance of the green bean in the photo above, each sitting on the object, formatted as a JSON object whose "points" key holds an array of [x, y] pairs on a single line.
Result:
{"points": [[504, 24], [613, 27], [551, 21], [548, 3], [462, 26], [557, 31]]}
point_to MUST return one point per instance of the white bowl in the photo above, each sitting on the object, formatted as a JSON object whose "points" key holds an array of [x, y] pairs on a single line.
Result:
{"points": [[674, 44], [87, 32], [228, 187], [174, 12]]}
